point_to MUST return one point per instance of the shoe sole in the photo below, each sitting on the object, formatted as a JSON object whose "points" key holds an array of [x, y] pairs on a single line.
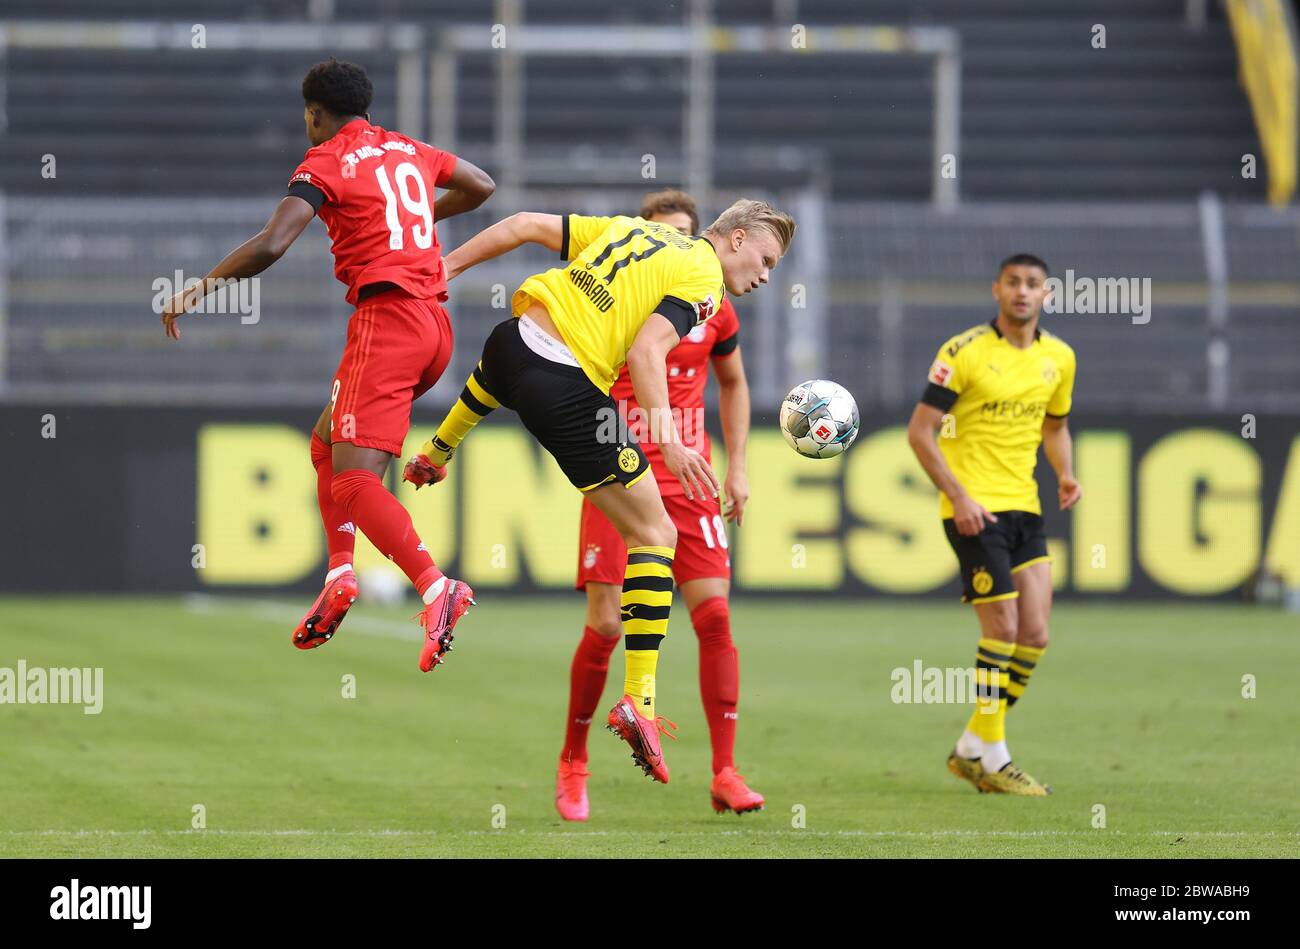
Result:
{"points": [[630, 733], [1047, 791], [722, 807], [956, 769], [574, 818], [458, 605], [320, 627]]}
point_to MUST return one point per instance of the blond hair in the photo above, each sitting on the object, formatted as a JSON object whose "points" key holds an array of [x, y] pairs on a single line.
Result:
{"points": [[747, 214], [670, 201]]}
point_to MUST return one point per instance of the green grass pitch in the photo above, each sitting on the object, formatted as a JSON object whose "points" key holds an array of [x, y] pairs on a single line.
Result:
{"points": [[1137, 708]]}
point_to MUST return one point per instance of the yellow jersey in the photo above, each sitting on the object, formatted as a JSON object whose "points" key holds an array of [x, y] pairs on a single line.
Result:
{"points": [[996, 395], [621, 270]]}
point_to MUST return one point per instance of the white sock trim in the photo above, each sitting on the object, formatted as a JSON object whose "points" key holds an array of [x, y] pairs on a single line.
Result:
{"points": [[995, 755], [338, 572], [434, 591], [970, 745]]}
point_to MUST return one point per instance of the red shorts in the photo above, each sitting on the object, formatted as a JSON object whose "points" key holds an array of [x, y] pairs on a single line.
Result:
{"points": [[397, 348], [701, 543]]}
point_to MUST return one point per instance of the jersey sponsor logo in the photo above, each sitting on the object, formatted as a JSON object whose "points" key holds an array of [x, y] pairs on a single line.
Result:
{"points": [[1012, 409], [697, 334], [940, 372], [592, 288]]}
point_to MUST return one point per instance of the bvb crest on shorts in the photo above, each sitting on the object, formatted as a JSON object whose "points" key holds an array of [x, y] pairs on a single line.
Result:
{"points": [[982, 581], [629, 460]]}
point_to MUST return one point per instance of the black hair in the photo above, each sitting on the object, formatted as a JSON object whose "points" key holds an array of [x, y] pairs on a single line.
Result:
{"points": [[339, 87], [1023, 260]]}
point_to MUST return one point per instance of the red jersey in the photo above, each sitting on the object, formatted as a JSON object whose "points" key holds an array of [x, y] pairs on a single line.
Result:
{"points": [[688, 371], [374, 190]]}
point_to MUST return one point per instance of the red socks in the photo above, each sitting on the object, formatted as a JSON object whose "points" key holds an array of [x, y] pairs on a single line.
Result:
{"points": [[381, 517], [719, 677], [340, 534], [586, 683], [719, 682]]}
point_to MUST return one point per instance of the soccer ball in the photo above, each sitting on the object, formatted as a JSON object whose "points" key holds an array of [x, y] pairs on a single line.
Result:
{"points": [[819, 418]]}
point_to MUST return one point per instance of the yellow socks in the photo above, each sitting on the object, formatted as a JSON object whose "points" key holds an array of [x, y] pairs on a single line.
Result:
{"points": [[474, 403], [991, 678], [647, 598], [1023, 662]]}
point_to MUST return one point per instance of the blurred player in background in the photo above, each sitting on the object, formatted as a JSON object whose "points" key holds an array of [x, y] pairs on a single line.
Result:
{"points": [[1008, 387], [702, 565], [373, 189], [629, 291]]}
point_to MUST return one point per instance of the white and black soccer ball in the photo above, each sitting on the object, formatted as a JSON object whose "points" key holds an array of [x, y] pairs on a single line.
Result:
{"points": [[819, 418]]}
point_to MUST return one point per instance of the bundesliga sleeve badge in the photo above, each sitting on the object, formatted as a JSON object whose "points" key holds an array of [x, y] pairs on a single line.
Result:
{"points": [[705, 309], [940, 373]]}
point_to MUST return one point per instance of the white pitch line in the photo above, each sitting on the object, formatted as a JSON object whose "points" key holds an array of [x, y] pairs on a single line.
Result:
{"points": [[283, 612], [303, 832]]}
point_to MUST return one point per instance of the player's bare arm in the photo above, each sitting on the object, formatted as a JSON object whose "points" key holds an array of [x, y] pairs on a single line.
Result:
{"points": [[467, 188], [733, 406], [648, 368], [968, 515], [291, 217], [525, 227], [1058, 445]]}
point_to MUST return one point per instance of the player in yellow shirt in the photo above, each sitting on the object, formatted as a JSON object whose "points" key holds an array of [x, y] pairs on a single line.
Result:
{"points": [[628, 291], [995, 393]]}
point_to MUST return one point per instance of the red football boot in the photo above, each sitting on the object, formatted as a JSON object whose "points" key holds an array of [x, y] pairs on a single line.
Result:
{"points": [[730, 793], [642, 735], [421, 471], [571, 790], [322, 620], [439, 617]]}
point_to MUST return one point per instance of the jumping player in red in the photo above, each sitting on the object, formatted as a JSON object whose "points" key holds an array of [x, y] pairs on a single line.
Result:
{"points": [[702, 567], [374, 190]]}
